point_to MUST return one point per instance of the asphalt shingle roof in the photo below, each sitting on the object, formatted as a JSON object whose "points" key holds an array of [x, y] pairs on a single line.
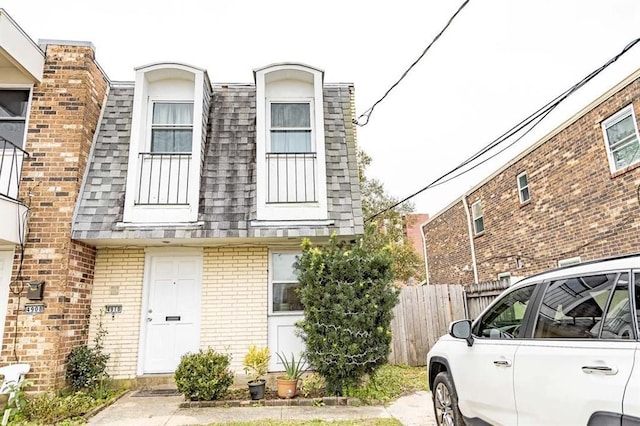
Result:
{"points": [[228, 181]]}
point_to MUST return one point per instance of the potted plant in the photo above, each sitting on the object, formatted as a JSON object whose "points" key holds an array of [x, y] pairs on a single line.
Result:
{"points": [[255, 363], [287, 384]]}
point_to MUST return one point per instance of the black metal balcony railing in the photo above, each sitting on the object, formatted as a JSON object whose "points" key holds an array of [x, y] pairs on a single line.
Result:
{"points": [[291, 177], [11, 157], [164, 178]]}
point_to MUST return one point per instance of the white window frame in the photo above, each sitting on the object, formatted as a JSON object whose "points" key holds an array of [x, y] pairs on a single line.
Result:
{"points": [[307, 101], [521, 189], [152, 127], [316, 212], [569, 261], [25, 119], [272, 282], [614, 119], [475, 218]]}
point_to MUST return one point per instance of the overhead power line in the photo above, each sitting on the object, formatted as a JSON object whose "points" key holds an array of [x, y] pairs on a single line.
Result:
{"points": [[528, 123], [367, 114]]}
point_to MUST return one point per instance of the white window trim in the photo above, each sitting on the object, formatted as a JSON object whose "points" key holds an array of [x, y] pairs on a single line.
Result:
{"points": [[141, 142], [522, 188], [475, 218], [569, 261], [611, 121], [309, 101], [271, 312], [151, 106], [26, 88], [288, 211]]}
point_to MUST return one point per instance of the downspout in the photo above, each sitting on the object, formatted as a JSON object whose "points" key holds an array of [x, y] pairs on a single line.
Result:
{"points": [[424, 251], [471, 245]]}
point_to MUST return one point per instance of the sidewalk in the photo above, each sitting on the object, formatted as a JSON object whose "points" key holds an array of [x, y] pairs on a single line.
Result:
{"points": [[412, 410]]}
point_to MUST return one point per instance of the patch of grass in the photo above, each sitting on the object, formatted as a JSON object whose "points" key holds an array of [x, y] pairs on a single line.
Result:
{"points": [[363, 422], [390, 382]]}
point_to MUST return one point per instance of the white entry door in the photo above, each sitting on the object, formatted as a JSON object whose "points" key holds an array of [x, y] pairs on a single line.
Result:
{"points": [[6, 264], [172, 315], [284, 309]]}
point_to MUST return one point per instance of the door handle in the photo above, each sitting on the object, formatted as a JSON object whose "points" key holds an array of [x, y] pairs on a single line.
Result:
{"points": [[600, 369], [502, 363], [149, 319]]}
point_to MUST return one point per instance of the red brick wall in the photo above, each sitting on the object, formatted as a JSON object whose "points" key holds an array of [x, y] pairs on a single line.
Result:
{"points": [[412, 224], [577, 207], [65, 109], [448, 252]]}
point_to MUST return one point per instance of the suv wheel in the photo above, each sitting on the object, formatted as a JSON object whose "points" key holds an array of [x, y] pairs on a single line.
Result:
{"points": [[445, 401]]}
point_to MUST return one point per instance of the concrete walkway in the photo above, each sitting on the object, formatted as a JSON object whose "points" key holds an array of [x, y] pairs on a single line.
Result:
{"points": [[412, 410]]}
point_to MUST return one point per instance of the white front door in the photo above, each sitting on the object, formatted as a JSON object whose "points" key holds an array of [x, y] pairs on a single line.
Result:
{"points": [[6, 264], [284, 310], [172, 314]]}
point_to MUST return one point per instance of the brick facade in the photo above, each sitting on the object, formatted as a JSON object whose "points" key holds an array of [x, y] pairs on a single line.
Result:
{"points": [[578, 207], [65, 110]]}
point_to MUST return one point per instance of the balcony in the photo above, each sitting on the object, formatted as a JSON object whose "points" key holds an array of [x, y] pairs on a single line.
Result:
{"points": [[291, 177], [164, 179], [12, 211]]}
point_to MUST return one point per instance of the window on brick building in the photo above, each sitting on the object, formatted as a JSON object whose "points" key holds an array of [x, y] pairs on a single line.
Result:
{"points": [[523, 187], [13, 116], [622, 139], [478, 217]]}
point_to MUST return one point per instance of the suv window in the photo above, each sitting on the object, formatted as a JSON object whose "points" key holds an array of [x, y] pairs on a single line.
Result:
{"points": [[637, 298], [504, 319], [618, 323], [573, 308]]}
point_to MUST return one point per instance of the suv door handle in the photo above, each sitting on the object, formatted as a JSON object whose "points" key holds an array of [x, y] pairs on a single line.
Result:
{"points": [[502, 363], [600, 369]]}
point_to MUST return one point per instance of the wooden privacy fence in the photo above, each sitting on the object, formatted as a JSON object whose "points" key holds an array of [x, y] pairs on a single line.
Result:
{"points": [[421, 316], [424, 313], [478, 296]]}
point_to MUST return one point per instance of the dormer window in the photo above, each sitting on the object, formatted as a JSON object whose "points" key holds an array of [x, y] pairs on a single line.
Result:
{"points": [[172, 127], [169, 121], [291, 165]]}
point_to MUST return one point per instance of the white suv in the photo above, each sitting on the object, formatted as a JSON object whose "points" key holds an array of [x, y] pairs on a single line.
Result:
{"points": [[557, 348]]}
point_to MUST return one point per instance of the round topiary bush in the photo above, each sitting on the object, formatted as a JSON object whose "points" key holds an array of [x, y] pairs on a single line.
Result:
{"points": [[203, 376]]}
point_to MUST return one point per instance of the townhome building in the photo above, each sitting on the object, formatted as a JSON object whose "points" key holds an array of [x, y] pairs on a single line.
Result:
{"points": [[167, 211], [571, 197]]}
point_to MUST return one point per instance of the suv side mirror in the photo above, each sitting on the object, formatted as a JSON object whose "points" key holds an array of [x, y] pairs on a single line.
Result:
{"points": [[462, 330]]}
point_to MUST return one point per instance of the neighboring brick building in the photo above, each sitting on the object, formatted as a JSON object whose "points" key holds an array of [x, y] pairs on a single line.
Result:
{"points": [[61, 111], [573, 196], [412, 223]]}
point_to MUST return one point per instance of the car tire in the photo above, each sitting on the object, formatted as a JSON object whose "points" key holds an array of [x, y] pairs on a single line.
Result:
{"points": [[445, 401]]}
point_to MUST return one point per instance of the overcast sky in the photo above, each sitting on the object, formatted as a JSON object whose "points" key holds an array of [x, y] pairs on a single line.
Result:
{"points": [[499, 61]]}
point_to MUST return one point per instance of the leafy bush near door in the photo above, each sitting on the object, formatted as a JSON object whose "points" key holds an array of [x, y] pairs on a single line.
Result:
{"points": [[86, 367], [348, 297], [203, 376]]}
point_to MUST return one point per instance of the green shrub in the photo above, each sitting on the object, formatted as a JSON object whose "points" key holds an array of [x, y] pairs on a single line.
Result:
{"points": [[347, 296], [203, 376], [86, 368]]}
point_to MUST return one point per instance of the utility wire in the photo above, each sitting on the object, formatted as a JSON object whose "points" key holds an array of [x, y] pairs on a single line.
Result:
{"points": [[532, 120], [367, 114]]}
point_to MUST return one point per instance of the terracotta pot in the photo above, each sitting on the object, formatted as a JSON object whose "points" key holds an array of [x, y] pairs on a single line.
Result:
{"points": [[286, 388]]}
